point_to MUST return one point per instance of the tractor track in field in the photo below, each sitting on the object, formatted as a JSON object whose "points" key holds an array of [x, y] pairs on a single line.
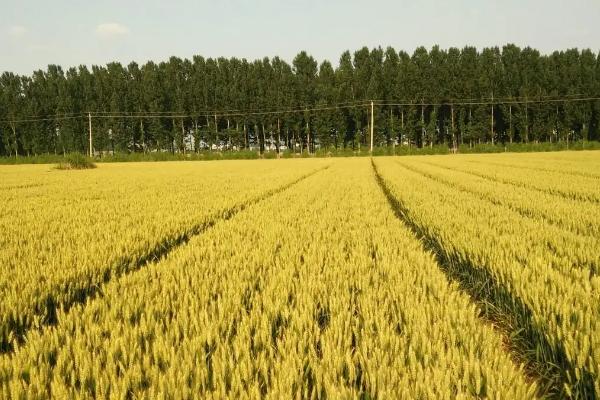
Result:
{"points": [[498, 307], [50, 306]]}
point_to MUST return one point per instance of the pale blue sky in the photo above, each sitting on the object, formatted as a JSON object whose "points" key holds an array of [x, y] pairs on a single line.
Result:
{"points": [[68, 32]]}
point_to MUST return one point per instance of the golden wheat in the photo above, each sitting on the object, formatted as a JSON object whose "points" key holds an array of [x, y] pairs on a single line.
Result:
{"points": [[527, 255], [318, 291], [338, 278], [66, 232]]}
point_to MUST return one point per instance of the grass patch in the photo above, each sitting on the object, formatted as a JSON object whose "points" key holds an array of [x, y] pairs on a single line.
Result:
{"points": [[76, 161], [66, 161]]}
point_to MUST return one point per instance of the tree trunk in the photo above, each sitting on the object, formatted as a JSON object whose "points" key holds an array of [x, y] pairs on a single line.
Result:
{"points": [[526, 122], [16, 144], [422, 124], [196, 136], [132, 139], [278, 136], [183, 136], [402, 126], [391, 132], [172, 139], [216, 130], [264, 138], [143, 135], [307, 137], [452, 128], [257, 136], [492, 124], [557, 124], [208, 133], [510, 127], [470, 122]]}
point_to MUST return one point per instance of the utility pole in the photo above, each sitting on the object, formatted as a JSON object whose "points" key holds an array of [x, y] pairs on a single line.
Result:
{"points": [[526, 121], [422, 123], [90, 132], [510, 127], [307, 135], [492, 126], [372, 122], [454, 142], [216, 132], [278, 137]]}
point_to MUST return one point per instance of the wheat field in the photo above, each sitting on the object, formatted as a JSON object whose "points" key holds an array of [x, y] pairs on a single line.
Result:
{"points": [[425, 277]]}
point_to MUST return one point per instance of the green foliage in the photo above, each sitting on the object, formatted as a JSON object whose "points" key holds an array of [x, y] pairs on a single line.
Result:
{"points": [[327, 152], [456, 83], [76, 161]]}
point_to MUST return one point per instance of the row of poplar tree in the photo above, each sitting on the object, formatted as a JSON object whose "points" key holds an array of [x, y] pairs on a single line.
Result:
{"points": [[437, 96]]}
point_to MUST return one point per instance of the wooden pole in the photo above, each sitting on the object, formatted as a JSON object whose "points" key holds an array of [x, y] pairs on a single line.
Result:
{"points": [[144, 136], [402, 120], [183, 136], [557, 126], [510, 127], [391, 131], [307, 137], [422, 123], [14, 129], [307, 134], [492, 126], [196, 137], [526, 121], [90, 133], [454, 144], [372, 122], [264, 137], [278, 135], [228, 134], [216, 131]]}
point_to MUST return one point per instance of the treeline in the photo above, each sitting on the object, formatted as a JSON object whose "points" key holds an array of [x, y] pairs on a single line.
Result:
{"points": [[432, 97]]}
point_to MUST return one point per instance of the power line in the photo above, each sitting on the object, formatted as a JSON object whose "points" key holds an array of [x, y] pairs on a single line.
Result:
{"points": [[141, 116], [306, 109], [230, 114], [340, 106], [231, 110], [292, 111], [41, 119], [345, 105], [500, 101]]}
